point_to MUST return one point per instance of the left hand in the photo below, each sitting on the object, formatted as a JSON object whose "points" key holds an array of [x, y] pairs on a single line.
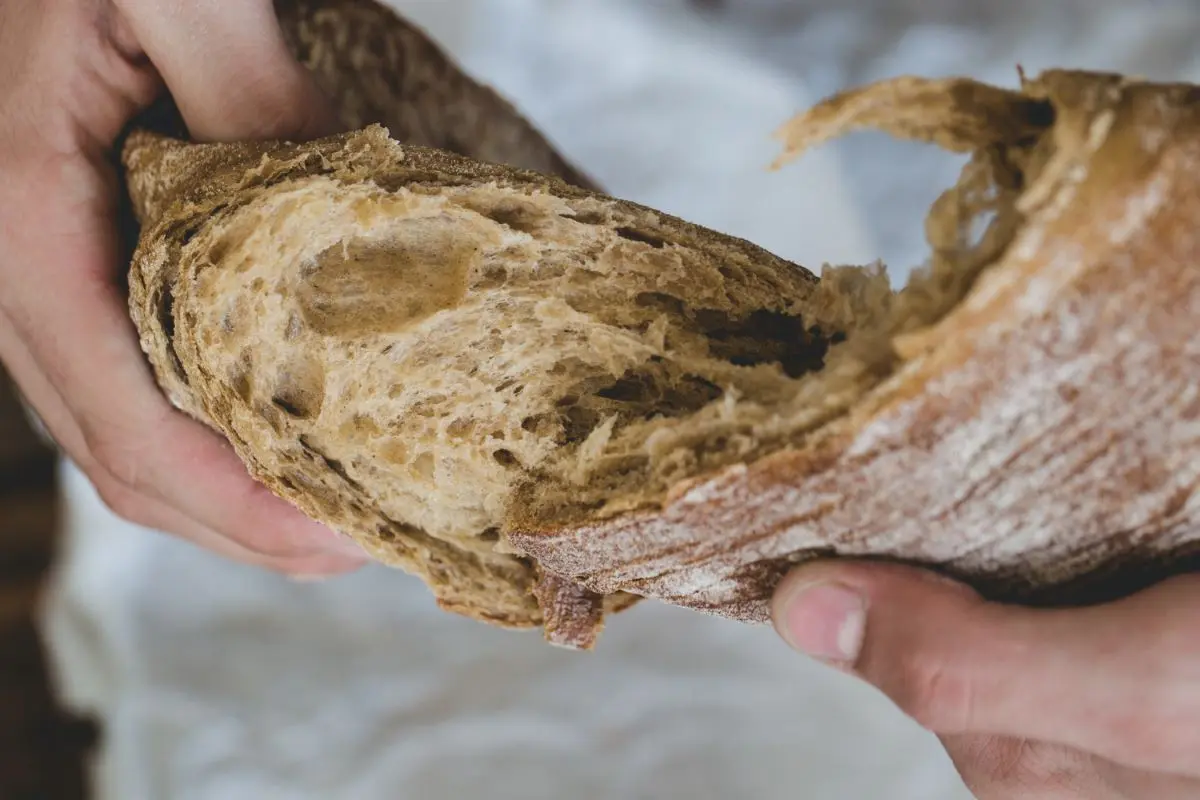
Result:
{"points": [[1098, 703], [73, 73]]}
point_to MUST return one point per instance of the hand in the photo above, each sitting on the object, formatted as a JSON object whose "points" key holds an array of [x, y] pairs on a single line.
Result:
{"points": [[1095, 703], [72, 74]]}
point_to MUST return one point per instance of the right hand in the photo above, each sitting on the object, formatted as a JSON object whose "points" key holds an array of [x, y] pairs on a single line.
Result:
{"points": [[72, 74], [1097, 703]]}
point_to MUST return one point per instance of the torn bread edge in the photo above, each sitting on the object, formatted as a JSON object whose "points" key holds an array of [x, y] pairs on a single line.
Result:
{"points": [[663, 552]]}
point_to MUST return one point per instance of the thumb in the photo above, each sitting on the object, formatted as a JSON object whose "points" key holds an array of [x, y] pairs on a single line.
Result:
{"points": [[229, 69], [1117, 680]]}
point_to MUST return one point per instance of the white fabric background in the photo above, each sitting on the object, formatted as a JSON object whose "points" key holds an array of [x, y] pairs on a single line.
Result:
{"points": [[218, 682]]}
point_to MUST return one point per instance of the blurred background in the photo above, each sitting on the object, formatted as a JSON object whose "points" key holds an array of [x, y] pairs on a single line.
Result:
{"points": [[213, 680]]}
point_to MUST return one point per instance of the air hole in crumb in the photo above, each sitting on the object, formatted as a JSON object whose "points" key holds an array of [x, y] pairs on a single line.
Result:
{"points": [[460, 428], [517, 216], [335, 466], [665, 302], [539, 424], [490, 535], [492, 276], [166, 321], [368, 286], [1040, 113], [765, 337], [653, 389], [635, 235], [300, 388], [588, 217], [505, 458], [424, 465], [218, 251], [239, 381]]}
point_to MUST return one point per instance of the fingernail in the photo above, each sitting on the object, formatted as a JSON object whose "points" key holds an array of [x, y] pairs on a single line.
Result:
{"points": [[826, 621]]}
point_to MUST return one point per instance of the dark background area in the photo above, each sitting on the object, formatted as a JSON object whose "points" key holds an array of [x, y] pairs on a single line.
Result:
{"points": [[42, 749]]}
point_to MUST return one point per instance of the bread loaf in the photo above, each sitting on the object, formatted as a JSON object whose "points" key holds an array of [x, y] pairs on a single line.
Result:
{"points": [[547, 402]]}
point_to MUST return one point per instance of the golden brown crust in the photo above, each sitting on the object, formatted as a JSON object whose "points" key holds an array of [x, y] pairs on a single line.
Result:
{"points": [[1039, 441]]}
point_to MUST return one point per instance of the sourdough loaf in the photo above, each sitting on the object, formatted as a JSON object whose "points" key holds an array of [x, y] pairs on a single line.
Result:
{"points": [[547, 402]]}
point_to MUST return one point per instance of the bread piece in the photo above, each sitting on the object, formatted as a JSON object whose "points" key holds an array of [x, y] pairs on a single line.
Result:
{"points": [[396, 338], [545, 401], [1038, 439]]}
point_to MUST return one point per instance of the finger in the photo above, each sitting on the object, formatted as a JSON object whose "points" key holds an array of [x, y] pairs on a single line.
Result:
{"points": [[291, 556], [39, 393], [295, 559], [1121, 681], [229, 69], [997, 768]]}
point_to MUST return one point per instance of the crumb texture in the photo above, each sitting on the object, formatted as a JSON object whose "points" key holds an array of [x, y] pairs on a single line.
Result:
{"points": [[395, 338]]}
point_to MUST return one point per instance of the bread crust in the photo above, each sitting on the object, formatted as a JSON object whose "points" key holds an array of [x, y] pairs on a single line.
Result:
{"points": [[1038, 442]]}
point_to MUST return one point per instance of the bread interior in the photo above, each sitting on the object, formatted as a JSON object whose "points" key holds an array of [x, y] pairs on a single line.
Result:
{"points": [[466, 356]]}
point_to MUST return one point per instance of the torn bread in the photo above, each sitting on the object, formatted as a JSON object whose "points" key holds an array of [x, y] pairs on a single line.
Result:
{"points": [[547, 402], [1035, 429]]}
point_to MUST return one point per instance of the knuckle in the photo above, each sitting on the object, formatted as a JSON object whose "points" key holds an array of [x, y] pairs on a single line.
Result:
{"points": [[936, 695], [121, 501], [121, 465], [1037, 773], [283, 106]]}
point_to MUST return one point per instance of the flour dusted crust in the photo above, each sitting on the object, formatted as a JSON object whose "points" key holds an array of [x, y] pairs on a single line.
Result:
{"points": [[1039, 440], [548, 403]]}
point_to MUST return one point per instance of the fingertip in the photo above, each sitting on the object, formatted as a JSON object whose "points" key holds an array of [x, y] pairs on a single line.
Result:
{"points": [[231, 72], [821, 618], [820, 608], [318, 569]]}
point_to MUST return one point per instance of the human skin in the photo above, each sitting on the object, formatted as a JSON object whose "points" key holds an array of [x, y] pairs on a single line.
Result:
{"points": [[1101, 703], [72, 75]]}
